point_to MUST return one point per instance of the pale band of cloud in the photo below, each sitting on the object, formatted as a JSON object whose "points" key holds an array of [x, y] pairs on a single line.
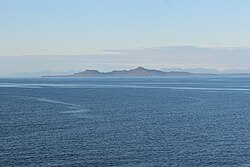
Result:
{"points": [[156, 57]]}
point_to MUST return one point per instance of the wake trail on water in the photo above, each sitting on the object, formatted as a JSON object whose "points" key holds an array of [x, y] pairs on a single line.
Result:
{"points": [[72, 108], [132, 86], [56, 102]]}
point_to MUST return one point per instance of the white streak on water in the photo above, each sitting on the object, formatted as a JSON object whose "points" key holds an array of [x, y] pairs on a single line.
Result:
{"points": [[168, 87], [12, 85], [75, 111], [71, 107], [132, 85], [57, 102]]}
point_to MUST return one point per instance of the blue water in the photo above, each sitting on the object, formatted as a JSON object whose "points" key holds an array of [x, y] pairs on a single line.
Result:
{"points": [[171, 121]]}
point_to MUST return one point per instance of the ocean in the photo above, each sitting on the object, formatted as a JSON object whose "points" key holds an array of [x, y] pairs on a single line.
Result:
{"points": [[143, 121]]}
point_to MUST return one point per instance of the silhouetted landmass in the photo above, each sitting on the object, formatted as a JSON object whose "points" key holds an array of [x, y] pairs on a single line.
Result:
{"points": [[210, 71], [39, 74], [140, 71]]}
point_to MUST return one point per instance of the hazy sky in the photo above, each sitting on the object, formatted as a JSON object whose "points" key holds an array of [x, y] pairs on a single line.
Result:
{"points": [[90, 31]]}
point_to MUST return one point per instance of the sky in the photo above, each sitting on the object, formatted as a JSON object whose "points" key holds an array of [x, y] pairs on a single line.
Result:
{"points": [[61, 35]]}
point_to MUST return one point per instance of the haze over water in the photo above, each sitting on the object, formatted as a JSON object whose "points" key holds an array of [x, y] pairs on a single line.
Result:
{"points": [[152, 121], [192, 121]]}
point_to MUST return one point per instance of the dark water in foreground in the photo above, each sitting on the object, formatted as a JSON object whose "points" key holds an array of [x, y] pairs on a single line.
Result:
{"points": [[175, 121]]}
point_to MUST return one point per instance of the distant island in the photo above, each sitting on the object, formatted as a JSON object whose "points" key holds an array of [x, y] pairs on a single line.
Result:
{"points": [[139, 71]]}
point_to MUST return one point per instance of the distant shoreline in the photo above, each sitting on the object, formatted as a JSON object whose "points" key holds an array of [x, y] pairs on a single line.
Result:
{"points": [[137, 72]]}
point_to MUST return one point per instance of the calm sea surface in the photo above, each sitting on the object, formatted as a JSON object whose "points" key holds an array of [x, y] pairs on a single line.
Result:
{"points": [[171, 121]]}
